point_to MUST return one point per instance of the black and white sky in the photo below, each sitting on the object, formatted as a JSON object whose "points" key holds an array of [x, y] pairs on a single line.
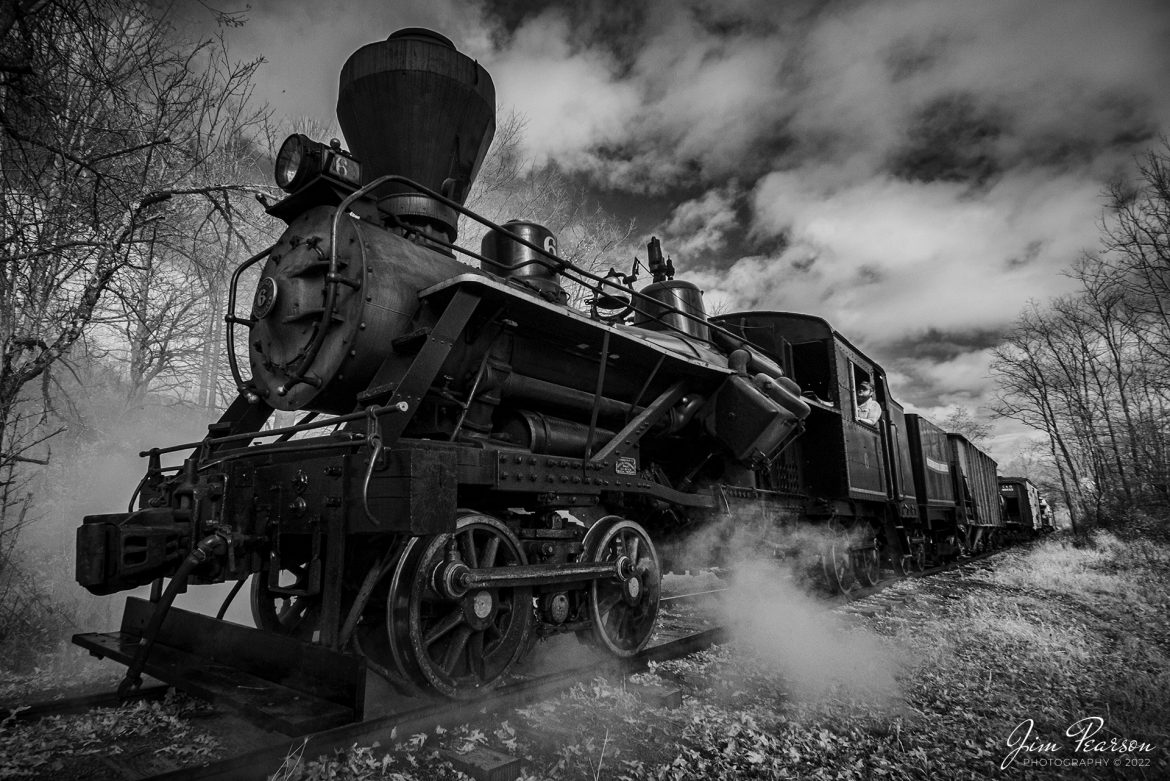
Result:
{"points": [[912, 170]]}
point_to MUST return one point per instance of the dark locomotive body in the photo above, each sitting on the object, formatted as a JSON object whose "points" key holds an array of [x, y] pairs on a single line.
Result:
{"points": [[480, 465], [901, 486]]}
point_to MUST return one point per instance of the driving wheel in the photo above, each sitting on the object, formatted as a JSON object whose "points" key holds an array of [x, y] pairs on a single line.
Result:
{"points": [[462, 646], [624, 611]]}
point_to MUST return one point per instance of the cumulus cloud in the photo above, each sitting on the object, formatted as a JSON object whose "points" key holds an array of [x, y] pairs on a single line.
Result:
{"points": [[884, 258], [707, 90], [701, 227], [962, 381], [920, 275], [670, 102], [570, 98], [1060, 81]]}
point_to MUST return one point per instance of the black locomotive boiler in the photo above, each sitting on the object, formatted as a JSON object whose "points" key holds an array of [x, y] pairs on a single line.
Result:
{"points": [[480, 465]]}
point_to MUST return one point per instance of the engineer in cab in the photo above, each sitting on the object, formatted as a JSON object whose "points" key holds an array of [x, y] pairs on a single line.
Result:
{"points": [[868, 410]]}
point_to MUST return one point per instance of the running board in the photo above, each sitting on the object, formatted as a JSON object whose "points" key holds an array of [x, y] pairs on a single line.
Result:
{"points": [[279, 682]]}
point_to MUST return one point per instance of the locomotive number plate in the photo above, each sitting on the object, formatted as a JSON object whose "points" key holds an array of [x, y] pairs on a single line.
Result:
{"points": [[265, 298]]}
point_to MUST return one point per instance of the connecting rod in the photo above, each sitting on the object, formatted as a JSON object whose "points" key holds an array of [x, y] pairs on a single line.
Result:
{"points": [[453, 579]]}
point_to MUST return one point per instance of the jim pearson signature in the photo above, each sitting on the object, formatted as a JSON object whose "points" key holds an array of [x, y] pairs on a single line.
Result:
{"points": [[1085, 743]]}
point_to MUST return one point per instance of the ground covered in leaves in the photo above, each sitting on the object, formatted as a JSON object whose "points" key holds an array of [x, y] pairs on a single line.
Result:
{"points": [[107, 742], [977, 673]]}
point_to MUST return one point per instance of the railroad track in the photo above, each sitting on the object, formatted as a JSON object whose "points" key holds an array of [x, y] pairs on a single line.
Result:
{"points": [[422, 716], [79, 704], [957, 565]]}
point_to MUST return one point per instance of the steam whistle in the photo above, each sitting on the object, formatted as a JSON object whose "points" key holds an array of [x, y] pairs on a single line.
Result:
{"points": [[661, 270]]}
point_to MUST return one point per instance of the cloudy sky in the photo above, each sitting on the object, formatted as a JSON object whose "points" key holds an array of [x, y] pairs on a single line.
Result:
{"points": [[913, 170]]}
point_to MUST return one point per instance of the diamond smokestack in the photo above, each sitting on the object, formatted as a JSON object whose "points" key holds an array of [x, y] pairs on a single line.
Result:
{"points": [[414, 106]]}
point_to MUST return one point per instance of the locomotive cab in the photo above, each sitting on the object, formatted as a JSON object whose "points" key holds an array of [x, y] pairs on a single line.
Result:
{"points": [[842, 455]]}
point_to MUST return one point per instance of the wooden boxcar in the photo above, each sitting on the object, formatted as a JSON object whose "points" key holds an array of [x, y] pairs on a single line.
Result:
{"points": [[977, 493], [1023, 514], [930, 458], [935, 486]]}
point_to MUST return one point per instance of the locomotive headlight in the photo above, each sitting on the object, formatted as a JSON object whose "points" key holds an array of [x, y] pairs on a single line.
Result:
{"points": [[300, 159], [293, 161]]}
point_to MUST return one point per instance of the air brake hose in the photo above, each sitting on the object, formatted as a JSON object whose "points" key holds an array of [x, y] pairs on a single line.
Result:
{"points": [[215, 544]]}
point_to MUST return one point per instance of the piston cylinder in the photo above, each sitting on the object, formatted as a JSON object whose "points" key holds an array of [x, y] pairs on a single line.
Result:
{"points": [[552, 436]]}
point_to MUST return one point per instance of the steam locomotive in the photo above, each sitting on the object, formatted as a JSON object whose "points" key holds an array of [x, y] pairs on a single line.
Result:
{"points": [[480, 465]]}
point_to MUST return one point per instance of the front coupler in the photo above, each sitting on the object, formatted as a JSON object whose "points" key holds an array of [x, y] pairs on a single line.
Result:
{"points": [[120, 551]]}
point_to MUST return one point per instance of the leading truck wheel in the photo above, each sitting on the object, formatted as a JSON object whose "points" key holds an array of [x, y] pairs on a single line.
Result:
{"points": [[289, 614], [624, 611], [459, 647]]}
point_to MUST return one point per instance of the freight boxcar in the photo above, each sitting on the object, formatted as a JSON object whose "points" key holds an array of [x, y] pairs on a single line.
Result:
{"points": [[977, 494], [1024, 512], [935, 486]]}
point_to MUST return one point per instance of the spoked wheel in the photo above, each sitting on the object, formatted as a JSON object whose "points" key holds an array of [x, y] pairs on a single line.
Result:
{"points": [[460, 647], [370, 638], [294, 615], [918, 556], [867, 564], [837, 562], [624, 612]]}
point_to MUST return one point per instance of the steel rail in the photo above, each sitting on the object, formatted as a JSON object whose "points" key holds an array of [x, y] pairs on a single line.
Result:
{"points": [[78, 704]]}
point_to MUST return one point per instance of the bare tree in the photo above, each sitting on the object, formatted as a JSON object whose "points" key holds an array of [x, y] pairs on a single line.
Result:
{"points": [[963, 421], [1030, 393], [157, 312], [1091, 369], [1136, 243], [114, 115]]}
